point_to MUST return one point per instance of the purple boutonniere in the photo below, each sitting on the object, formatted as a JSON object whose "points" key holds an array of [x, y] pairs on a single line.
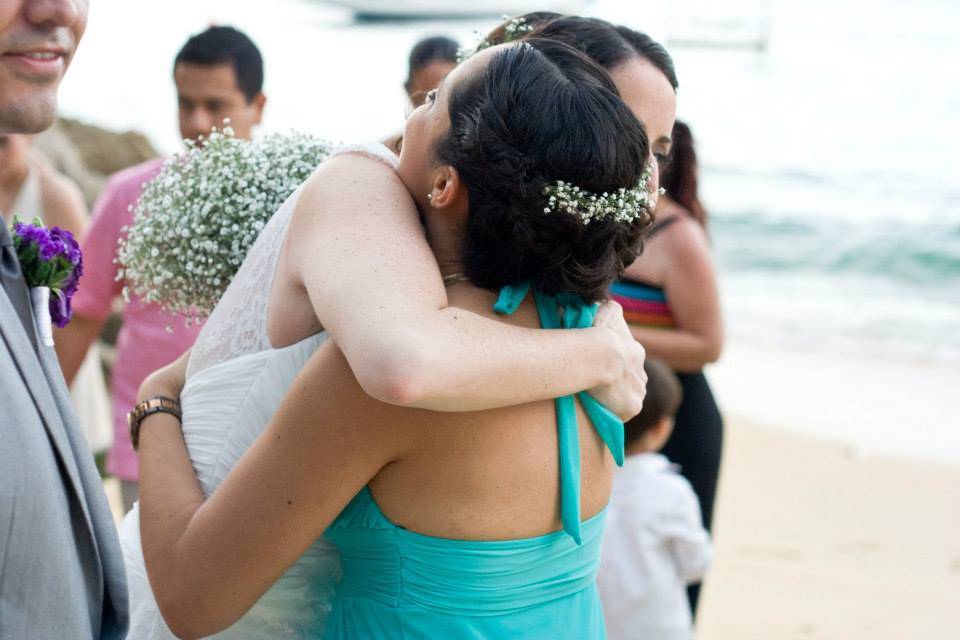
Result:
{"points": [[50, 259]]}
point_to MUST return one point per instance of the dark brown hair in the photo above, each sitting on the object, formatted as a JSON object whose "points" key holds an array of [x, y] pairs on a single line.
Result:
{"points": [[679, 176], [427, 50], [530, 20], [225, 45], [540, 112], [664, 395], [606, 44]]}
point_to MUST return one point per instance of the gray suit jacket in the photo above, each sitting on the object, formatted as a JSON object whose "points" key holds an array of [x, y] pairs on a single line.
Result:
{"points": [[61, 569]]}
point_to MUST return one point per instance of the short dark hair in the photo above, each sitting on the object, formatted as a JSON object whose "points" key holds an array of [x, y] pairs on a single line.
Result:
{"points": [[664, 395], [432, 49], [606, 44], [226, 45], [540, 112]]}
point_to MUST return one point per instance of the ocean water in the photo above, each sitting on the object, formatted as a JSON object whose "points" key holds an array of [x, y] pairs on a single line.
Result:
{"points": [[829, 159], [830, 170]]}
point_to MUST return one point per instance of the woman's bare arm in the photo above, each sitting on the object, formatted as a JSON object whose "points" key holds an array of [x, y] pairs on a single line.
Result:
{"points": [[690, 285], [358, 247], [210, 561]]}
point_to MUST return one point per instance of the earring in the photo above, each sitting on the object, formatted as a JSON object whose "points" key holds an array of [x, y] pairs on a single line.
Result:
{"points": [[429, 197]]}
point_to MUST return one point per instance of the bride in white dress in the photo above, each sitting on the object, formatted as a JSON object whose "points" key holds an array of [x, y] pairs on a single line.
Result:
{"points": [[236, 380], [347, 253]]}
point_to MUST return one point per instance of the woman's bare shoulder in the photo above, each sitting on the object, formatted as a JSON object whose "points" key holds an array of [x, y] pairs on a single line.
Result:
{"points": [[357, 192], [356, 176], [56, 185], [684, 234], [63, 203]]}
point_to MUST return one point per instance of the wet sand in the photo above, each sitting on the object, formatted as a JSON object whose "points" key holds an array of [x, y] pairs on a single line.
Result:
{"points": [[814, 541]]}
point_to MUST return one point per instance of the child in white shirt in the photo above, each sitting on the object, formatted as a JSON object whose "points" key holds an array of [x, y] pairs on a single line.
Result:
{"points": [[655, 543]]}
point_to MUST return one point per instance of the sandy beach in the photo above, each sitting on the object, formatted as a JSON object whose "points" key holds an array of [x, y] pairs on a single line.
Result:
{"points": [[814, 541]]}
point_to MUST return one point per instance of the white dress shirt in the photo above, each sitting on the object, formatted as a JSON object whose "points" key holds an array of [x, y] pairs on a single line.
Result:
{"points": [[654, 546]]}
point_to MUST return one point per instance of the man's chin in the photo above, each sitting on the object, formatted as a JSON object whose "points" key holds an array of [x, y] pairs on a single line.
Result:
{"points": [[31, 114]]}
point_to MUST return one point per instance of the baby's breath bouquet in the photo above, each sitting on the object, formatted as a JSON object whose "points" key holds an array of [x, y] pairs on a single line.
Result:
{"points": [[196, 221]]}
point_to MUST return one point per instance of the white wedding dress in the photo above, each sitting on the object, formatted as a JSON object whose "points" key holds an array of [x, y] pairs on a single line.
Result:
{"points": [[235, 382]]}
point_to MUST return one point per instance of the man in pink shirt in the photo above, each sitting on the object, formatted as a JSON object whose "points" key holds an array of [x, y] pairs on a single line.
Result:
{"points": [[219, 75]]}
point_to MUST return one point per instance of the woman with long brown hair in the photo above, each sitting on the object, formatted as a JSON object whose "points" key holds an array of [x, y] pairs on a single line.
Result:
{"points": [[669, 294], [669, 297]]}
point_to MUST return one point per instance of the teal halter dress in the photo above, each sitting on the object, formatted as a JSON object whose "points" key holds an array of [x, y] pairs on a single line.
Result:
{"points": [[400, 584]]}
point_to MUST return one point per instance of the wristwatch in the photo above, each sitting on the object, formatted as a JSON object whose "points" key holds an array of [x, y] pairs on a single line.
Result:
{"points": [[157, 404]]}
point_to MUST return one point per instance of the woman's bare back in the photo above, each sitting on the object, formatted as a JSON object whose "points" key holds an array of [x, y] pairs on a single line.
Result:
{"points": [[489, 475]]}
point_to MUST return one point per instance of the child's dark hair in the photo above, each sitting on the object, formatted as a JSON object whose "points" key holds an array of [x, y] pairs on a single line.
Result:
{"points": [[664, 395], [432, 49], [226, 45], [540, 112]]}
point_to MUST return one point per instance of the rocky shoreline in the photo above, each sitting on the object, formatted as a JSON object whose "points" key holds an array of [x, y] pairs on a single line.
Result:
{"points": [[88, 154]]}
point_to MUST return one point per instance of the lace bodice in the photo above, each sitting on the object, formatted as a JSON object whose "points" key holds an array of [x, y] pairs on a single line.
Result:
{"points": [[238, 324]]}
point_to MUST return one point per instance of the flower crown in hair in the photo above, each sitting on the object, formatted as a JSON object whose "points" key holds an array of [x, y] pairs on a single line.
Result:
{"points": [[623, 205], [512, 30]]}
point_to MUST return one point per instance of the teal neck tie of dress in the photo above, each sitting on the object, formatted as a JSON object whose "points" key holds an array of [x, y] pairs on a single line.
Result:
{"points": [[569, 311]]}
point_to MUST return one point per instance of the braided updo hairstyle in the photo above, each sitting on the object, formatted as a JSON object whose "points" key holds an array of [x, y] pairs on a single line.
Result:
{"points": [[541, 112]]}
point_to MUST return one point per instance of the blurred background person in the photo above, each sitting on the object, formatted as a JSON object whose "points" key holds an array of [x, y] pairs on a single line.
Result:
{"points": [[679, 266], [431, 59], [31, 188], [670, 298], [218, 76], [655, 543]]}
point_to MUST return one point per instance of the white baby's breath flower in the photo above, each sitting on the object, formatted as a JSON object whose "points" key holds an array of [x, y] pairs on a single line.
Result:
{"points": [[196, 221], [513, 29], [623, 205]]}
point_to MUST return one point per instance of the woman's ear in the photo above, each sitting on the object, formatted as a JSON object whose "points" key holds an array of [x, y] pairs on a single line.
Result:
{"points": [[447, 188]]}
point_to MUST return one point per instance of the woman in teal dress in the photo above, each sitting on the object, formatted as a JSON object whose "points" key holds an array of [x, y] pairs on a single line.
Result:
{"points": [[534, 180]]}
